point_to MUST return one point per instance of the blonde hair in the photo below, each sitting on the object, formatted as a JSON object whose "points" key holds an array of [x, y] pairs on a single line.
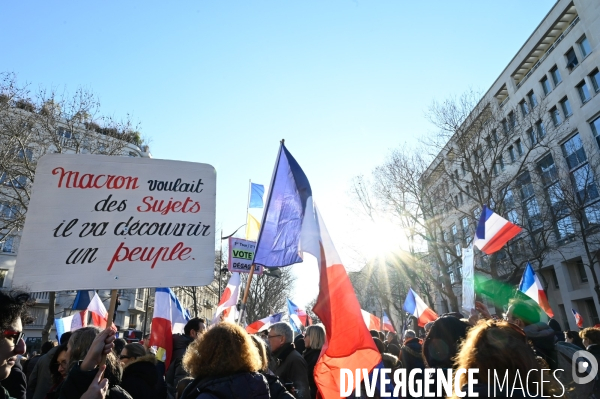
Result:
{"points": [[492, 345], [223, 350], [316, 334]]}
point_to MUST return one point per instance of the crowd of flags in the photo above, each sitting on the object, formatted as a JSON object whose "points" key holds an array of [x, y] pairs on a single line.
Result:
{"points": [[291, 227]]}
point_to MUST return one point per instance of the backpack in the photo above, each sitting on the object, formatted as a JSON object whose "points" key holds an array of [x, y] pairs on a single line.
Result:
{"points": [[566, 352]]}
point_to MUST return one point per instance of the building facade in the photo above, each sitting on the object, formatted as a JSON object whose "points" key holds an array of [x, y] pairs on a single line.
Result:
{"points": [[530, 149]]}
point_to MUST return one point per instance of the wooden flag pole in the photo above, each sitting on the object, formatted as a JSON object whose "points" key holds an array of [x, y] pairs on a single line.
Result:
{"points": [[111, 313], [246, 292]]}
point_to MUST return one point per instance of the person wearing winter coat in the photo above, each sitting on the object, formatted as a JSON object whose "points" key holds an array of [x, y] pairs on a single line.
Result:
{"points": [[286, 362], [276, 389], [193, 329], [140, 377], [225, 363], [314, 339], [541, 335]]}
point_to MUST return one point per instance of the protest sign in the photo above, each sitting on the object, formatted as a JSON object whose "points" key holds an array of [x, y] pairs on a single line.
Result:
{"points": [[241, 255], [115, 222]]}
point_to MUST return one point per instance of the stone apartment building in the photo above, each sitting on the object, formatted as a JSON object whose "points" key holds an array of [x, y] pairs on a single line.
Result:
{"points": [[540, 150]]}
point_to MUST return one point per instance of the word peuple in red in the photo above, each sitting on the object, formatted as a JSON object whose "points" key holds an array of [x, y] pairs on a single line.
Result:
{"points": [[148, 254]]}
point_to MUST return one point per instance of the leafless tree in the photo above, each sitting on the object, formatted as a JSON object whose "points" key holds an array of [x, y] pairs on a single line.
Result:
{"points": [[33, 124], [481, 153], [268, 294]]}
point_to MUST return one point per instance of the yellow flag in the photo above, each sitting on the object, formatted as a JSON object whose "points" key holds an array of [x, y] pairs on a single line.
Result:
{"points": [[252, 228]]}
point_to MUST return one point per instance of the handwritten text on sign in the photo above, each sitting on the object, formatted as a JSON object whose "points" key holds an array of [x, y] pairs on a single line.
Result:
{"points": [[116, 222], [241, 255]]}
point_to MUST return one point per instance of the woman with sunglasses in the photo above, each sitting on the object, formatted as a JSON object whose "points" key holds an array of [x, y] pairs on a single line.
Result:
{"points": [[140, 377]]}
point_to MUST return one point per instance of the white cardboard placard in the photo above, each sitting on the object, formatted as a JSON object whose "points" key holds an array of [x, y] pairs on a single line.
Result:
{"points": [[115, 222], [241, 255]]}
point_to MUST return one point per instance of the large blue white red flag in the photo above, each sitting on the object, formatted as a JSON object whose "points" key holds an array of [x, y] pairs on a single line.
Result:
{"points": [[416, 307], [578, 318], [169, 318], [493, 231], [532, 287], [263, 324], [292, 226]]}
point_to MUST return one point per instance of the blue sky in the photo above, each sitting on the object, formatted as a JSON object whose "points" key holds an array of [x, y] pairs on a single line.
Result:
{"points": [[221, 82]]}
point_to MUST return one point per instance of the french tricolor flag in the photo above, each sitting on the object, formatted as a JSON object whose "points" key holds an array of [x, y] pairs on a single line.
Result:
{"points": [[371, 321], [292, 227], [70, 323], [416, 307], [229, 299], [169, 318], [493, 231], [263, 324], [532, 287], [578, 318], [387, 324]]}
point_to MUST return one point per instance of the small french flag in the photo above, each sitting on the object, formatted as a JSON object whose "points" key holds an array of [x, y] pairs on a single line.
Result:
{"points": [[416, 307], [532, 287], [263, 324], [493, 231], [387, 324], [578, 318]]}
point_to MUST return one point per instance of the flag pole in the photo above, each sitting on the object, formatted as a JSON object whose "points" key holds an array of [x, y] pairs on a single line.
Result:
{"points": [[109, 322], [248, 206], [247, 289]]}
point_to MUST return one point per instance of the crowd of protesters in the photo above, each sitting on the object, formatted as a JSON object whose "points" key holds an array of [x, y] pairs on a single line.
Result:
{"points": [[224, 361]]}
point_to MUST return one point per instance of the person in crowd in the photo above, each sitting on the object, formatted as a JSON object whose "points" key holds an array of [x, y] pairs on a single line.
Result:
{"points": [[392, 339], [390, 361], [40, 379], [558, 334], [501, 346], [59, 367], [13, 312], [85, 349], [193, 329], [541, 335], [573, 337], [140, 377], [28, 367], [374, 333], [183, 383], [427, 327], [410, 353], [225, 364], [16, 383], [314, 339], [299, 343], [276, 388], [119, 345], [590, 338], [393, 349], [441, 344], [380, 345], [286, 362]]}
